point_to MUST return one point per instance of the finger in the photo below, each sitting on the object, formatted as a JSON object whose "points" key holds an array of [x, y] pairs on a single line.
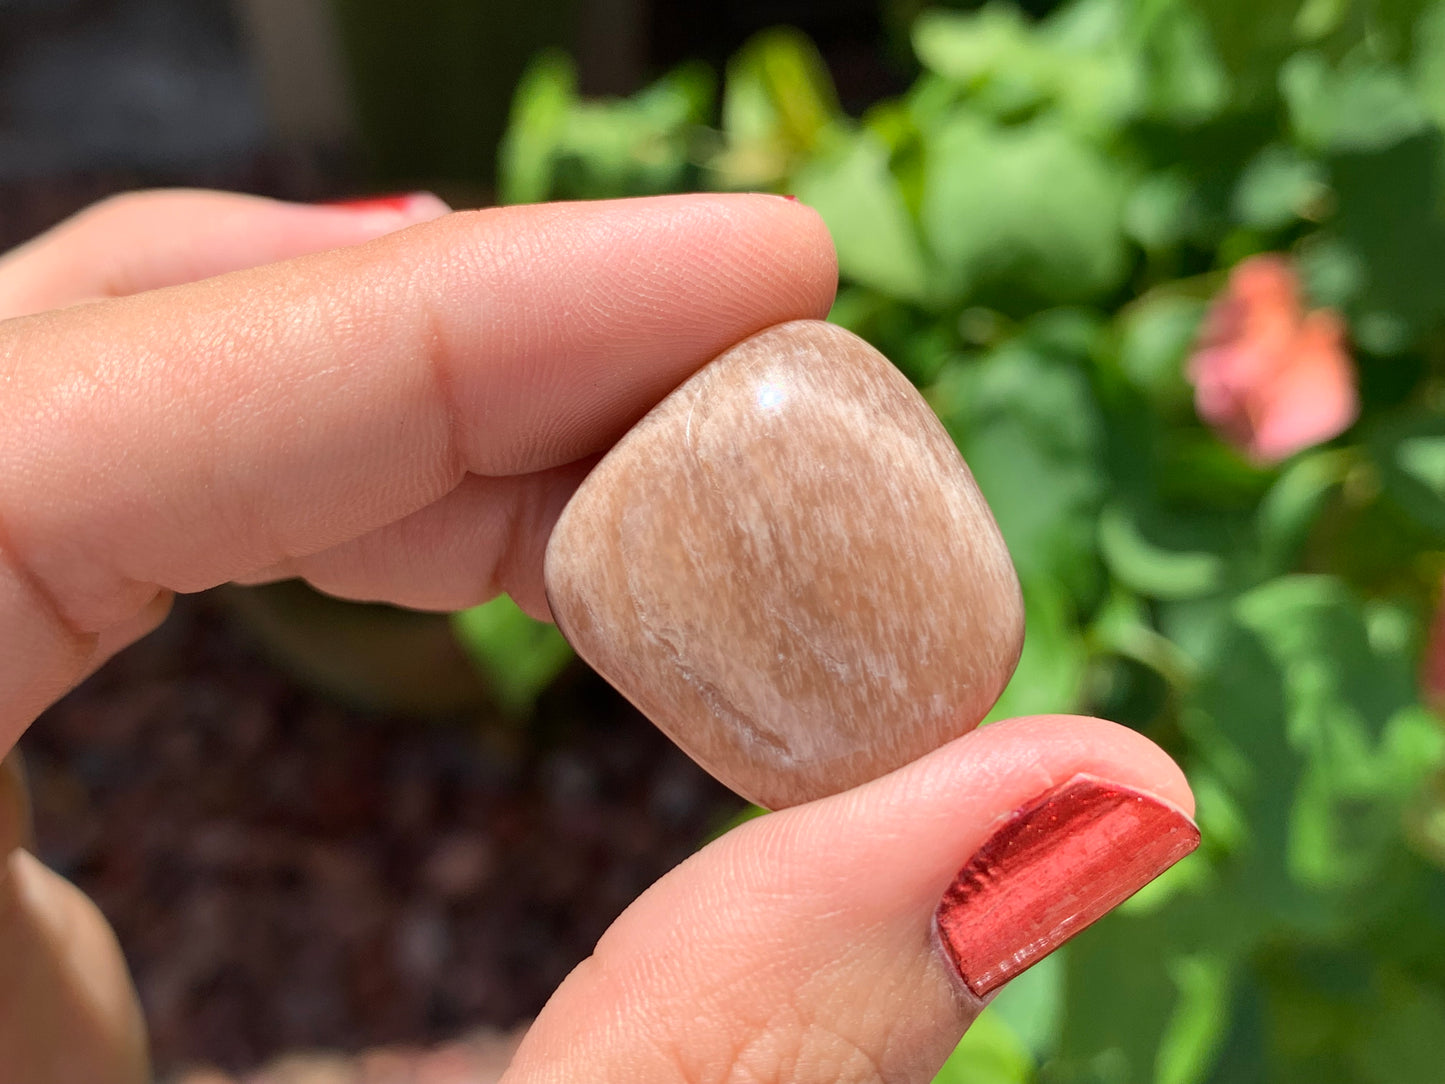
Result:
{"points": [[68, 1011], [67, 1008], [185, 437], [115, 638], [146, 240], [801, 946], [483, 538]]}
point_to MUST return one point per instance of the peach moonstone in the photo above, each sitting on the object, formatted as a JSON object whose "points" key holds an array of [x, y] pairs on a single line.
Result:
{"points": [[787, 566]]}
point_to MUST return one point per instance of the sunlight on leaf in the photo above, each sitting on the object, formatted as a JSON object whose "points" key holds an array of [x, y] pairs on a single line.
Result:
{"points": [[518, 655]]}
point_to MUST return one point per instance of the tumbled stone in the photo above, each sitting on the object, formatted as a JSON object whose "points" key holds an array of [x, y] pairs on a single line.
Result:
{"points": [[787, 566]]}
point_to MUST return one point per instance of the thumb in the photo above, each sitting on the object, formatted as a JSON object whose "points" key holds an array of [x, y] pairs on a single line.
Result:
{"points": [[68, 1012], [855, 938]]}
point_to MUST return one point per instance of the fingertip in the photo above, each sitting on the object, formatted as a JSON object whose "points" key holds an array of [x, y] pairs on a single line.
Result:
{"points": [[953, 798], [1067, 745], [794, 237], [425, 206], [74, 1014], [778, 250], [930, 886], [381, 215], [816, 242]]}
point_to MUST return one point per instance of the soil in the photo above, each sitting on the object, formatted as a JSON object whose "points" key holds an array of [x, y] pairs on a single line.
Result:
{"points": [[288, 874]]}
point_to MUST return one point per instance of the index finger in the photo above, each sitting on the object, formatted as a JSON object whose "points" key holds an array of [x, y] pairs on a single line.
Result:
{"points": [[181, 438]]}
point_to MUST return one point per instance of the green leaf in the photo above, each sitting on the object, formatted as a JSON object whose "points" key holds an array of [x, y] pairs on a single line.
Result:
{"points": [[1410, 454], [1316, 629], [1203, 164], [1361, 105], [1278, 187], [1120, 998], [1318, 18], [1427, 69], [1211, 484], [1251, 40], [1235, 716], [560, 147], [545, 96], [859, 199], [1344, 685], [1314, 1003], [778, 105], [1123, 627], [919, 344], [1155, 338], [1392, 218], [1186, 81], [990, 1053], [968, 48], [1155, 569], [1075, 62], [1030, 429], [747, 813], [1293, 504], [1423, 459], [1030, 210], [778, 86], [682, 97], [1032, 1005], [1332, 271], [1050, 673], [1304, 711], [1161, 211], [1195, 1031], [1402, 1041], [518, 655]]}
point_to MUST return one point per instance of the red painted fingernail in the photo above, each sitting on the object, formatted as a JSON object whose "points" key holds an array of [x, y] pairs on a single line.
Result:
{"points": [[790, 197], [1052, 869], [401, 203]]}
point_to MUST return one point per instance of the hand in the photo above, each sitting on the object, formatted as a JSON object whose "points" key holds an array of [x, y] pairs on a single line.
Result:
{"points": [[403, 418]]}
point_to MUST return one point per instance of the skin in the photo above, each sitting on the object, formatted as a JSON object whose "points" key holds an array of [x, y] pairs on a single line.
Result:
{"points": [[199, 388]]}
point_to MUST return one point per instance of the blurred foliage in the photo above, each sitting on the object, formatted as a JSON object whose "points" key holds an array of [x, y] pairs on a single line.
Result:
{"points": [[431, 79], [517, 655], [1032, 233]]}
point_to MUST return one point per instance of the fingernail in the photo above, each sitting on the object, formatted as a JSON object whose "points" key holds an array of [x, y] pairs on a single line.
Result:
{"points": [[416, 205], [1052, 869]]}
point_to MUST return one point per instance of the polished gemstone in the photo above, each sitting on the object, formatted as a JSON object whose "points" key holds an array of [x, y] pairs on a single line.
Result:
{"points": [[788, 567]]}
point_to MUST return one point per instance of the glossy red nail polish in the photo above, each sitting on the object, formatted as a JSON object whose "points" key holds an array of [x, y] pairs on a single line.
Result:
{"points": [[401, 203], [1052, 869]]}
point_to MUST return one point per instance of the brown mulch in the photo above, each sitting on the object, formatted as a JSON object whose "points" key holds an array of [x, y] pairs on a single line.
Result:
{"points": [[286, 874]]}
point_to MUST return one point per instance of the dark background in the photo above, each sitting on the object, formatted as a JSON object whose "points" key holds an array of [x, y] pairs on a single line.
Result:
{"points": [[99, 96]]}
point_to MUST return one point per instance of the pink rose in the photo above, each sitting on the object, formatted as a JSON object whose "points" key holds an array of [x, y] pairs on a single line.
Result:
{"points": [[1268, 377]]}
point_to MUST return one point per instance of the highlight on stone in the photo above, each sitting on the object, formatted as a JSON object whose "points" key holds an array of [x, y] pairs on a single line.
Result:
{"points": [[788, 567]]}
